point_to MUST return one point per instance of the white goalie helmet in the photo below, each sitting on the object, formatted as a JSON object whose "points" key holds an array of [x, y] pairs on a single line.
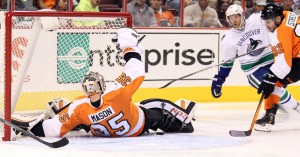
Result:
{"points": [[93, 83], [233, 10], [126, 37]]}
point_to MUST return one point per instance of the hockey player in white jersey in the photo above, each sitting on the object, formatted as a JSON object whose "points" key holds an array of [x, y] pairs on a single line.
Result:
{"points": [[246, 36]]}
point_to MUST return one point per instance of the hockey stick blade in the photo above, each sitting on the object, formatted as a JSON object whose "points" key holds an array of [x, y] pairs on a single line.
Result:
{"points": [[210, 67], [60, 143], [236, 133]]}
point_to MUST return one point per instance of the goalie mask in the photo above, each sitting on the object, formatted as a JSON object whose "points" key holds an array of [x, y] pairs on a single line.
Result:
{"points": [[125, 37], [93, 83], [233, 10]]}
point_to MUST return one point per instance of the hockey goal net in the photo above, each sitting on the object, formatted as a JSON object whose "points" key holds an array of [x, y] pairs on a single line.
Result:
{"points": [[39, 63]]}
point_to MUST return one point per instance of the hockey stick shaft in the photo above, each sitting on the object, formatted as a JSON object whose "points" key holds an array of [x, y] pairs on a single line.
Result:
{"points": [[210, 67], [236, 133], [60, 143], [141, 38], [257, 112]]}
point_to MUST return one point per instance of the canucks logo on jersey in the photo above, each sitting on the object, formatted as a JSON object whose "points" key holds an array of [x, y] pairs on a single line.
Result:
{"points": [[253, 45]]}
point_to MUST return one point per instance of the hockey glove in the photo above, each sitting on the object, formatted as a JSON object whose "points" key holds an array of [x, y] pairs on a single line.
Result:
{"points": [[268, 84], [217, 86]]}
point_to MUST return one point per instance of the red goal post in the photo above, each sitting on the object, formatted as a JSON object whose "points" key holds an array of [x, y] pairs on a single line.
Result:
{"points": [[39, 64]]}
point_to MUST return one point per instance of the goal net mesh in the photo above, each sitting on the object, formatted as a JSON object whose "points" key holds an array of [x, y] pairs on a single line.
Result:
{"points": [[47, 64]]}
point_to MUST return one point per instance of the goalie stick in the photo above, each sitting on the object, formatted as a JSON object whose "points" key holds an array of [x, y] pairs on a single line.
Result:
{"points": [[236, 133], [60, 143], [210, 67]]}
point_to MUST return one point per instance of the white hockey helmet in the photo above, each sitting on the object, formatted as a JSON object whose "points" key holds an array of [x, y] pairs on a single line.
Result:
{"points": [[93, 83], [126, 37], [233, 10]]}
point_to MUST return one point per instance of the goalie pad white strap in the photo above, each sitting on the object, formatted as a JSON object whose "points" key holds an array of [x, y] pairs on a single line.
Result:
{"points": [[169, 106]]}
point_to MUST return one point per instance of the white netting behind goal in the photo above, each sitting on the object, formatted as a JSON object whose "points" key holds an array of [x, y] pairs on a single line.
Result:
{"points": [[48, 64]]}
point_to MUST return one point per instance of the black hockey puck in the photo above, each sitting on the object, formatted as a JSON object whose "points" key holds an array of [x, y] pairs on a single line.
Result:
{"points": [[160, 133]]}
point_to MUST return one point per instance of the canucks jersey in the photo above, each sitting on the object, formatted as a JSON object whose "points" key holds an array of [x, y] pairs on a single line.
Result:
{"points": [[254, 36]]}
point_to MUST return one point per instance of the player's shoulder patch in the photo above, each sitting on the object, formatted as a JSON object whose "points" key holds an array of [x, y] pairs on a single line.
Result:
{"points": [[291, 19]]}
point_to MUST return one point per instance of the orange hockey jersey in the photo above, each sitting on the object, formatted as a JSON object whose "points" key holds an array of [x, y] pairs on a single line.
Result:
{"points": [[116, 116], [286, 44]]}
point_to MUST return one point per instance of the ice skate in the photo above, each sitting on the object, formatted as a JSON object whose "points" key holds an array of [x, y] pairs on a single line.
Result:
{"points": [[297, 108], [266, 122]]}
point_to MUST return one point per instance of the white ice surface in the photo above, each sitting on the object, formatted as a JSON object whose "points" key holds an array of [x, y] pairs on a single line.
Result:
{"points": [[211, 138]]}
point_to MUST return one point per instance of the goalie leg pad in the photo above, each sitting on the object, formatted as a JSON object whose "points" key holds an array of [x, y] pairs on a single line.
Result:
{"points": [[174, 118], [34, 126], [180, 113]]}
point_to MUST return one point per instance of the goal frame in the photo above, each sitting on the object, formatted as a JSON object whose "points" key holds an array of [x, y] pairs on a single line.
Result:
{"points": [[8, 51]]}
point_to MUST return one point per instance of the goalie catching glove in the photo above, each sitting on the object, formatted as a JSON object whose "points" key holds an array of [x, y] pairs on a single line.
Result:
{"points": [[127, 40]]}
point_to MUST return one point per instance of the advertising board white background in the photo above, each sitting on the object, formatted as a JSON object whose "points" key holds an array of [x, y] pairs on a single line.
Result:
{"points": [[169, 54]]}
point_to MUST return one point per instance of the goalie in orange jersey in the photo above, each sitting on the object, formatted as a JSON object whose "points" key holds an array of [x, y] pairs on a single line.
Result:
{"points": [[285, 27], [110, 112]]}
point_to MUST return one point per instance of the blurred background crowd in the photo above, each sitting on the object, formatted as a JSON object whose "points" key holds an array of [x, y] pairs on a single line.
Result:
{"points": [[156, 13]]}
